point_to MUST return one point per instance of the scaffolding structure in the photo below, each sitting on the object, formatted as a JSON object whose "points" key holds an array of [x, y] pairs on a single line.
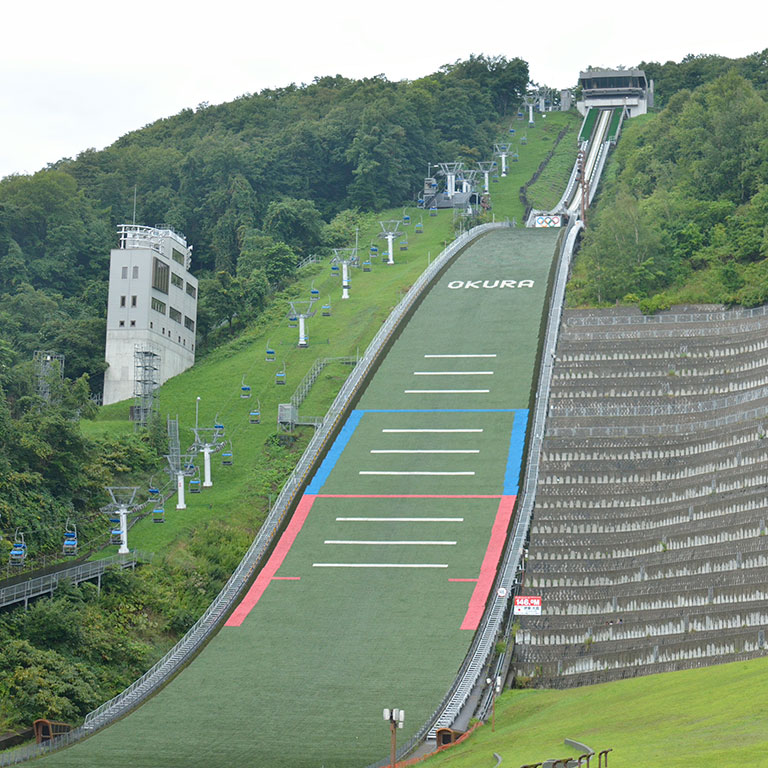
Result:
{"points": [[146, 380], [48, 366]]}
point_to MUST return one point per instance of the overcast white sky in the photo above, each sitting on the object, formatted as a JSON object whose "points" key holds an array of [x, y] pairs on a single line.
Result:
{"points": [[81, 74]]}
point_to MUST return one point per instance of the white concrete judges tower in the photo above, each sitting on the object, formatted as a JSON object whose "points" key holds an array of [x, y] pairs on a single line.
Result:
{"points": [[152, 305]]}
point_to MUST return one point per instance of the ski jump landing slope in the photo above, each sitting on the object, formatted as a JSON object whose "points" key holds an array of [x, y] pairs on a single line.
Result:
{"points": [[373, 592]]}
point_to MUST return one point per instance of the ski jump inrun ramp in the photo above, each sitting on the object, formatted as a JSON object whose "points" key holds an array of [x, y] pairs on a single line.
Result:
{"points": [[372, 594]]}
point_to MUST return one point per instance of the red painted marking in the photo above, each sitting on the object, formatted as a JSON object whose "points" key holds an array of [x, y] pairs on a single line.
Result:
{"points": [[273, 564], [462, 579], [490, 563], [404, 496], [286, 578]]}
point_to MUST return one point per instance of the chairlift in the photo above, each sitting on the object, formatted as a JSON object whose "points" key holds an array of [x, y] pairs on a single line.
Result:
{"points": [[520, 115], [335, 270], [280, 376], [245, 390], [194, 485], [69, 547], [18, 552], [515, 156], [227, 457], [374, 249], [115, 533], [495, 178], [270, 354], [419, 228], [511, 130], [404, 244], [406, 219], [314, 293], [524, 139], [158, 515], [420, 202], [254, 417], [326, 308], [293, 320], [367, 265], [433, 210]]}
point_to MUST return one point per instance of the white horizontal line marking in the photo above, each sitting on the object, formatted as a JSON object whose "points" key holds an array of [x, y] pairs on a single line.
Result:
{"points": [[379, 565], [443, 391], [431, 430], [431, 450], [483, 355], [400, 519], [453, 373], [425, 543], [383, 472]]}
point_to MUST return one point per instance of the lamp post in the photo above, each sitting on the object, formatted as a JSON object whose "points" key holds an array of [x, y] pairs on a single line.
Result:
{"points": [[496, 692], [396, 719]]}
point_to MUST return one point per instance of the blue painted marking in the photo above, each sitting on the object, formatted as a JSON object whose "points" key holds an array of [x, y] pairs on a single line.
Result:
{"points": [[339, 444], [515, 456]]}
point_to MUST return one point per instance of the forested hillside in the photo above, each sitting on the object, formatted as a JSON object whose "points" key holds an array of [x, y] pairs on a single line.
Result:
{"points": [[255, 185], [683, 213]]}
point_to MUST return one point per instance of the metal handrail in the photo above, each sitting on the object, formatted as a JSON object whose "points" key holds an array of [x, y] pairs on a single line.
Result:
{"points": [[196, 636], [40, 585], [482, 647]]}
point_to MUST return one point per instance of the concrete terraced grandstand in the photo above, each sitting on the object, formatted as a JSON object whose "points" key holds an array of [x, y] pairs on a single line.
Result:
{"points": [[648, 542]]}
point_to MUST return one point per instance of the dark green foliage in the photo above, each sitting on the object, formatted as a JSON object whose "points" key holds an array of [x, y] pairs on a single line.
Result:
{"points": [[683, 217]]}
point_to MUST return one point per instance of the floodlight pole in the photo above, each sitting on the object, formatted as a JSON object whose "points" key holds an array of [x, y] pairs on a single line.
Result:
{"points": [[502, 150], [396, 719], [390, 230], [496, 692]]}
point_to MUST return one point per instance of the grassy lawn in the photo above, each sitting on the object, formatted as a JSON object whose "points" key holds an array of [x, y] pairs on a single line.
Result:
{"points": [[709, 716], [240, 494]]}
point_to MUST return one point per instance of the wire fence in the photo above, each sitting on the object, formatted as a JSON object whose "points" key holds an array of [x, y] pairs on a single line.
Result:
{"points": [[206, 625], [665, 318]]}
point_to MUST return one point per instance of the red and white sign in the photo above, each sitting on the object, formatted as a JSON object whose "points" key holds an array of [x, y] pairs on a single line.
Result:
{"points": [[527, 605]]}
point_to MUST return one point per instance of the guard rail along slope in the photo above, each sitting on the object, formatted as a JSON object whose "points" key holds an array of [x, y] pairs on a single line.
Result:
{"points": [[208, 623]]}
